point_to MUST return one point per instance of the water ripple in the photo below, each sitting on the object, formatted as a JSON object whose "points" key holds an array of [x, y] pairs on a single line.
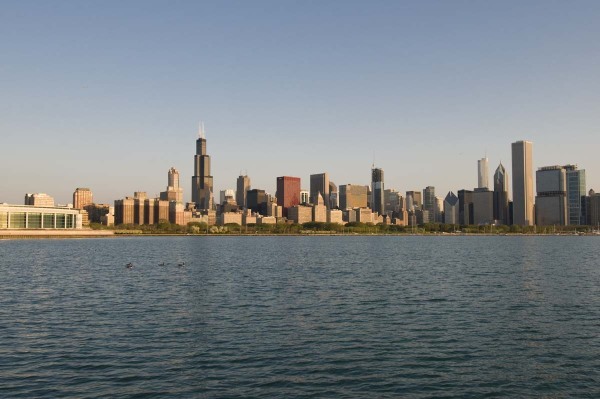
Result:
{"points": [[302, 317]]}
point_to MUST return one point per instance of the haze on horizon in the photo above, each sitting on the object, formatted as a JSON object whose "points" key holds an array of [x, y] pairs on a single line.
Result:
{"points": [[109, 95]]}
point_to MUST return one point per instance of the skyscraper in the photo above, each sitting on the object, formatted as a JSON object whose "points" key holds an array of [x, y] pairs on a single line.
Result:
{"points": [[377, 191], [288, 192], [82, 197], [465, 207], [241, 194], [353, 196], [482, 173], [522, 169], [333, 196], [429, 203], [576, 194], [451, 208], [202, 181], [501, 195], [414, 200], [551, 199], [174, 192], [319, 184]]}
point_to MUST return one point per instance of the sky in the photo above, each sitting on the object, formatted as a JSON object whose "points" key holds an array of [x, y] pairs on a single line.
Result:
{"points": [[108, 95]]}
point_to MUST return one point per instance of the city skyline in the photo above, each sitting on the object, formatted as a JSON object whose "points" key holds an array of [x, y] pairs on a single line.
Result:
{"points": [[109, 100]]}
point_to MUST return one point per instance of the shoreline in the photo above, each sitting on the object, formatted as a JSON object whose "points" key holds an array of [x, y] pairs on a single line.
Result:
{"points": [[47, 234]]}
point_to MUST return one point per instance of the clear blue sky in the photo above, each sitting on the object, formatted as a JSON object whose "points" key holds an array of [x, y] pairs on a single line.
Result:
{"points": [[108, 95]]}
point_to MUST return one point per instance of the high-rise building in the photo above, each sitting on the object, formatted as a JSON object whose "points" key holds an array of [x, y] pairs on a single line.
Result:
{"points": [[394, 201], [319, 184], [501, 195], [82, 197], [257, 201], [39, 199], [288, 192], [174, 192], [353, 196], [429, 203], [594, 209], [202, 181], [576, 195], [319, 210], [439, 210], [522, 170], [243, 185], [227, 196], [333, 196], [451, 208], [551, 199], [482, 173], [414, 200], [377, 191], [465, 207], [483, 206]]}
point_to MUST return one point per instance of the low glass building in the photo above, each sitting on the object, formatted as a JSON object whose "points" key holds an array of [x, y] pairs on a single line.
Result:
{"points": [[35, 217]]}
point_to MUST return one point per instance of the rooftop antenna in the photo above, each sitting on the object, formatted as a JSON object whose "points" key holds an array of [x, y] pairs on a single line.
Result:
{"points": [[201, 130]]}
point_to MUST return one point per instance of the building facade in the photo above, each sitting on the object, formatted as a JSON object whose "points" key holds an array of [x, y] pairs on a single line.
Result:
{"points": [[482, 173], [174, 191], [82, 197], [35, 217], [257, 201], [483, 206], [429, 204], [465, 207], [522, 179], [39, 199], [243, 186], [501, 213], [288, 192], [377, 191], [551, 199], [576, 195], [202, 180], [319, 185], [451, 208], [300, 214], [353, 196]]}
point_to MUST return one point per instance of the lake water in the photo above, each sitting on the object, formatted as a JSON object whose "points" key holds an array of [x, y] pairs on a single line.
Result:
{"points": [[338, 317]]}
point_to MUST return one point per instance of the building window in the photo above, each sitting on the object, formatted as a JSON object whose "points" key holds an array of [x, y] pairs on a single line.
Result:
{"points": [[34, 221], [17, 220], [3, 220], [48, 220], [60, 220]]}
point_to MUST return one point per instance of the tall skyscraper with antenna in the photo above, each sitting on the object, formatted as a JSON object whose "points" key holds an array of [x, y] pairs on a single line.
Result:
{"points": [[202, 181]]}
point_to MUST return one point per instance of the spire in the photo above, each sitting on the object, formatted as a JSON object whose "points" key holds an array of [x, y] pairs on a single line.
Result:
{"points": [[201, 130]]}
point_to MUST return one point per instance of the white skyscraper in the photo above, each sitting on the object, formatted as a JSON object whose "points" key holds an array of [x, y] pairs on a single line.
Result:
{"points": [[482, 173]]}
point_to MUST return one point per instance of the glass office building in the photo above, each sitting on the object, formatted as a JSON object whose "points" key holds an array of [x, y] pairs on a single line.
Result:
{"points": [[33, 217]]}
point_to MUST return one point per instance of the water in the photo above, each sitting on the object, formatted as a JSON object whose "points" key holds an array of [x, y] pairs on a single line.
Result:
{"points": [[301, 317]]}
